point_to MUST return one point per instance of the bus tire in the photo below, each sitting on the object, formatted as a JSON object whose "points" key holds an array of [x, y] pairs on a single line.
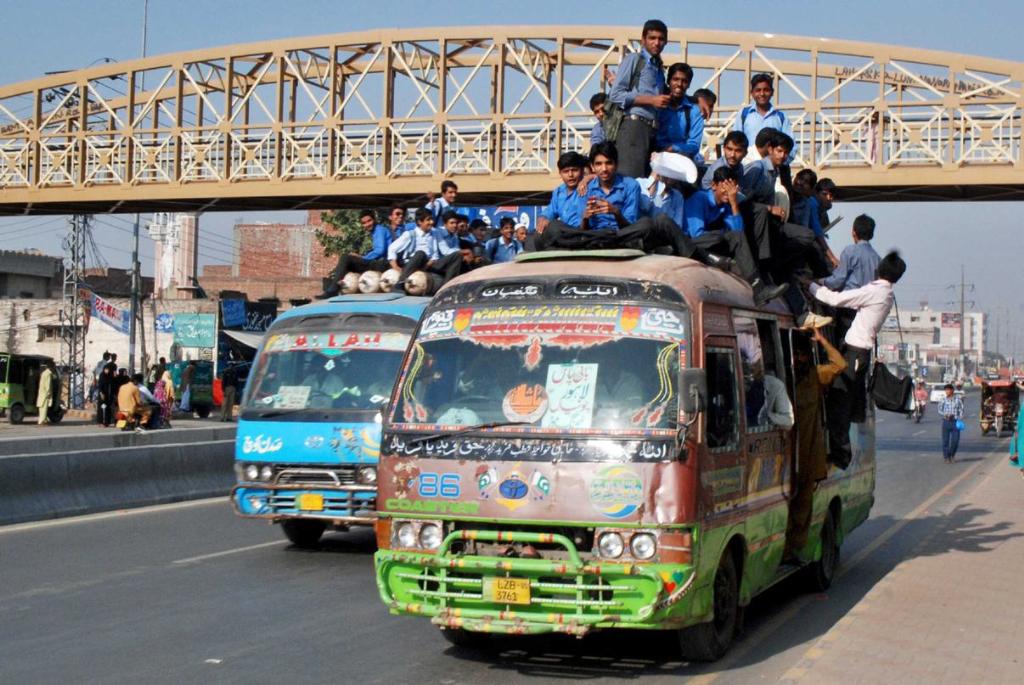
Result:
{"points": [[203, 411], [710, 641], [303, 533], [822, 572], [16, 413], [466, 639]]}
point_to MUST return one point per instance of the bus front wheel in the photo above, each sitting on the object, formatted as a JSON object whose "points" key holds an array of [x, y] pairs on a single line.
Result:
{"points": [[823, 571], [304, 534], [466, 639], [710, 641], [16, 413]]}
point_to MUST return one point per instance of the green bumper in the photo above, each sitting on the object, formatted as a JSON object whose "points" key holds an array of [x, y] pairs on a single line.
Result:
{"points": [[566, 595]]}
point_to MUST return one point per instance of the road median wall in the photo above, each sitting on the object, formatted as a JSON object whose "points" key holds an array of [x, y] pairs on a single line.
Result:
{"points": [[68, 483]]}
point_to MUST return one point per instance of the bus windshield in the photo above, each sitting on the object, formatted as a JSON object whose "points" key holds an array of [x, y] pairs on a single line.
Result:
{"points": [[333, 371], [556, 368]]}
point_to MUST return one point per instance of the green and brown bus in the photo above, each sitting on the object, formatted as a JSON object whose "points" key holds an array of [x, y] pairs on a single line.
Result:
{"points": [[577, 441]]}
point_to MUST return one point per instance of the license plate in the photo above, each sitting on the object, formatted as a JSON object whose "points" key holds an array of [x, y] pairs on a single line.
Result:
{"points": [[507, 590], [311, 502]]}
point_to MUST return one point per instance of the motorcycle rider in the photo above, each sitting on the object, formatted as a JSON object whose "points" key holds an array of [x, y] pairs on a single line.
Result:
{"points": [[920, 400]]}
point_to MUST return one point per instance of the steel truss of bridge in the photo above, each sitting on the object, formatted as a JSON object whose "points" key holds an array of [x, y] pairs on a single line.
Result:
{"points": [[367, 118]]}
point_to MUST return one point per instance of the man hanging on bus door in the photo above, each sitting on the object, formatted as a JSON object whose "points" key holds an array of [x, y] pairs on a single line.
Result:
{"points": [[812, 466]]}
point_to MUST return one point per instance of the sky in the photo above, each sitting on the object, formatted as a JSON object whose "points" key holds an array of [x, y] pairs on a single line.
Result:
{"points": [[935, 238]]}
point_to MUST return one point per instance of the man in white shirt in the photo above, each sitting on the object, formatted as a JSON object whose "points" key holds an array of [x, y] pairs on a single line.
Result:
{"points": [[777, 408], [871, 302]]}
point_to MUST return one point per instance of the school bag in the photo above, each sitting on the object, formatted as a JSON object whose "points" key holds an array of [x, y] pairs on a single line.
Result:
{"points": [[613, 114]]}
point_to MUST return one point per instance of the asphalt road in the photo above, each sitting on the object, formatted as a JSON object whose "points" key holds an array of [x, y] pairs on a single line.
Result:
{"points": [[189, 592]]}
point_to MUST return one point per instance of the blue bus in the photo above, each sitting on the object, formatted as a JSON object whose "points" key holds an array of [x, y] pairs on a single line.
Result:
{"points": [[309, 429]]}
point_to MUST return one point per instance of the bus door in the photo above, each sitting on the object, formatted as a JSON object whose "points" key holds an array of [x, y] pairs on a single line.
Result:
{"points": [[722, 460], [768, 419]]}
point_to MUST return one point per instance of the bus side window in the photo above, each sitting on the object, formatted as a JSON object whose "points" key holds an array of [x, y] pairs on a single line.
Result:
{"points": [[752, 365], [723, 418]]}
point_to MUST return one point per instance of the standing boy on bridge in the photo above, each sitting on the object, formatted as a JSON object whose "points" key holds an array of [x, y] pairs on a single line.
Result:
{"points": [[639, 91]]}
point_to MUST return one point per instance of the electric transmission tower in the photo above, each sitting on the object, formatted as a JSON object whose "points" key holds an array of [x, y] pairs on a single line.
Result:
{"points": [[72, 318]]}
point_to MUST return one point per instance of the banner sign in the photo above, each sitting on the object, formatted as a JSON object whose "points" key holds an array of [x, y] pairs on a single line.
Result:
{"points": [[239, 315], [195, 330], [951, 319], [115, 317], [165, 323]]}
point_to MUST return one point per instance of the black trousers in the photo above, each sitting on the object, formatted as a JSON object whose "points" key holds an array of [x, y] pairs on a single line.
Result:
{"points": [[348, 262], [650, 234], [634, 144], [731, 244], [846, 401], [448, 266]]}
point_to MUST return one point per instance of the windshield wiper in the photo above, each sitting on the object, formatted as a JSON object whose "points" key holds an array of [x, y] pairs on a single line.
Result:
{"points": [[467, 429]]}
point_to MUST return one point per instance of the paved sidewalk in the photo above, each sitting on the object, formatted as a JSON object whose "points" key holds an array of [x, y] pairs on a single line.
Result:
{"points": [[951, 612]]}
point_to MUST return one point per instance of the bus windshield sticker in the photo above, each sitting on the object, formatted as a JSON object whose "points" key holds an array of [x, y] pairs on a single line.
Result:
{"points": [[650, 414], [336, 342], [533, 354], [525, 402], [570, 389], [291, 397], [414, 410]]}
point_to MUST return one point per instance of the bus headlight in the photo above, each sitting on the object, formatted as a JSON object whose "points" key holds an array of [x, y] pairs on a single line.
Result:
{"points": [[252, 472], [405, 533], [430, 536], [267, 472], [367, 475], [643, 546], [610, 545]]}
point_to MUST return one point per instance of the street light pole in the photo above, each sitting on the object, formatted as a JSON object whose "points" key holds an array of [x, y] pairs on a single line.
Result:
{"points": [[136, 276]]}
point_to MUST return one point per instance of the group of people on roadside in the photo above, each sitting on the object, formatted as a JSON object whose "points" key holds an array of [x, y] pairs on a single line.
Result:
{"points": [[127, 397]]}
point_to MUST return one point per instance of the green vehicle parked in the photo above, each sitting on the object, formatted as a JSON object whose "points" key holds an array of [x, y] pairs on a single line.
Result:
{"points": [[201, 397], [19, 386]]}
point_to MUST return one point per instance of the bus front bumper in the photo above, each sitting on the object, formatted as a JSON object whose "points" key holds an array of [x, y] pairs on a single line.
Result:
{"points": [[568, 595], [344, 505]]}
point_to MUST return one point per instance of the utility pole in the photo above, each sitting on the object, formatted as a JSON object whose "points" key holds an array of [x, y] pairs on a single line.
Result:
{"points": [[963, 323], [72, 322], [136, 312]]}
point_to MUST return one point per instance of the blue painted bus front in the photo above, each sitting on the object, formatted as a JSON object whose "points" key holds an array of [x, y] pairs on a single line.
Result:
{"points": [[308, 467]]}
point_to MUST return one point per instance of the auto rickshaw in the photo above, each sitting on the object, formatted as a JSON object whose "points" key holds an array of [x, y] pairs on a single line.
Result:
{"points": [[19, 386], [1000, 401], [201, 396]]}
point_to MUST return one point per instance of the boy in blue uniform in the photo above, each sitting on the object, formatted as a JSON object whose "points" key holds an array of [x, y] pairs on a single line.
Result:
{"points": [[760, 113], [445, 203], [426, 249], [374, 260], [597, 101], [680, 124], [504, 248], [714, 223], [639, 91], [566, 204]]}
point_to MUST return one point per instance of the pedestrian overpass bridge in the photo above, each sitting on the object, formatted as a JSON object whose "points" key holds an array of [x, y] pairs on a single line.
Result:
{"points": [[366, 118]]}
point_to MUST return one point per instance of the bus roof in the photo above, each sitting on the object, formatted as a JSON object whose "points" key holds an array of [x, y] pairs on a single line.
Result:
{"points": [[379, 303], [693, 280]]}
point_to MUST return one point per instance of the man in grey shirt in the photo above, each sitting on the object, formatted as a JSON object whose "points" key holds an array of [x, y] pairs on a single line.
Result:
{"points": [[640, 101]]}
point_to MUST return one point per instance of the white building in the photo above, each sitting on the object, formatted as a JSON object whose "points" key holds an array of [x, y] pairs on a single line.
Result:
{"points": [[932, 337]]}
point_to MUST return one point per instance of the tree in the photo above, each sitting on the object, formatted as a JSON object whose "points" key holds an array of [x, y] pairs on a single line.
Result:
{"points": [[341, 233]]}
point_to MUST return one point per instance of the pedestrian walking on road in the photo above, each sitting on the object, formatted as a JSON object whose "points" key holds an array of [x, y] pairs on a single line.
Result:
{"points": [[951, 409], [229, 385], [1017, 443], [164, 394], [44, 396]]}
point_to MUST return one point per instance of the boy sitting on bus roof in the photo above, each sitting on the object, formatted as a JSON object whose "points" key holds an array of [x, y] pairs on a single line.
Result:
{"points": [[374, 260], [612, 217], [714, 223], [426, 249]]}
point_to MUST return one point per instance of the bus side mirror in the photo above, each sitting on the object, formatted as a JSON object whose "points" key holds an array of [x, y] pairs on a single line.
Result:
{"points": [[694, 387]]}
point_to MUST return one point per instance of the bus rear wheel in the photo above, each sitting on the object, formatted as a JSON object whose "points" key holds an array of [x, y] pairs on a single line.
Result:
{"points": [[710, 641], [822, 572], [304, 534], [16, 413]]}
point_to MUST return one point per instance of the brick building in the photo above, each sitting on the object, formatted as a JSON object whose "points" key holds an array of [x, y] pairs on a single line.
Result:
{"points": [[274, 261]]}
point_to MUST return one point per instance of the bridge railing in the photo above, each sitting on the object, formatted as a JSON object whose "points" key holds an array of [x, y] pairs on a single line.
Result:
{"points": [[431, 103]]}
